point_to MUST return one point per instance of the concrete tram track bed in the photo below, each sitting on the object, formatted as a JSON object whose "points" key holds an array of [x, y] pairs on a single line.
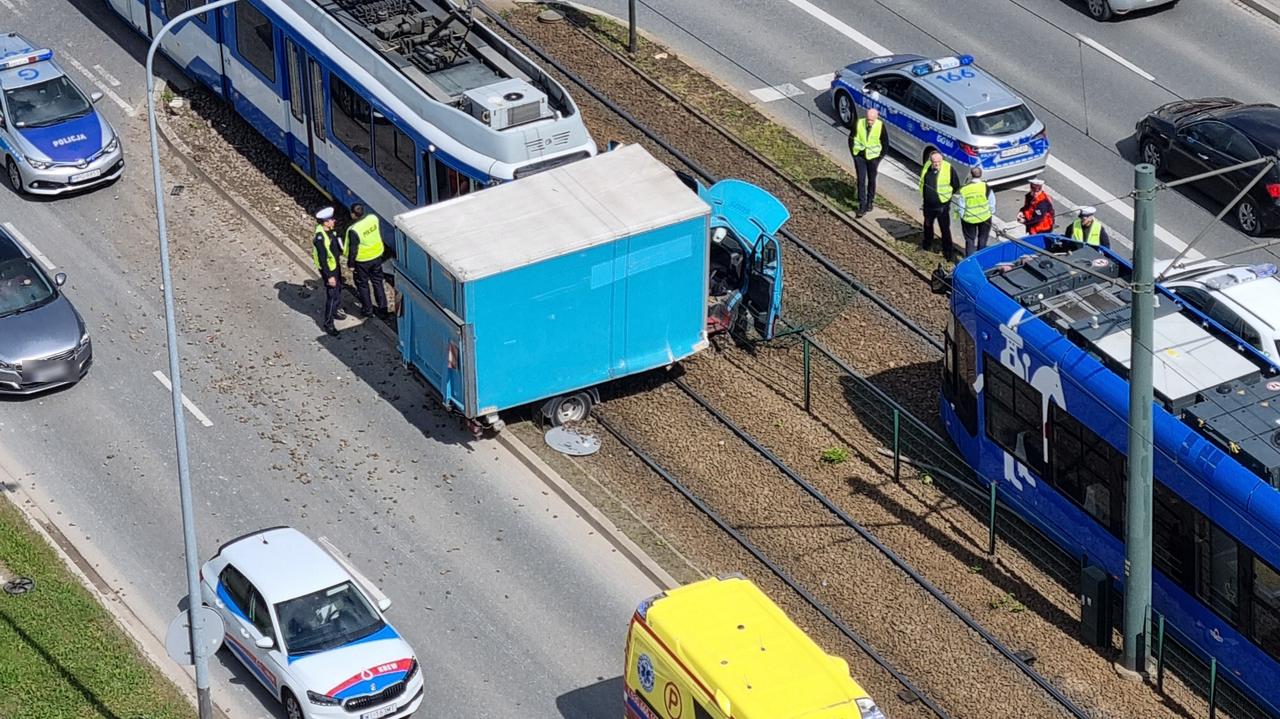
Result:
{"points": [[759, 387]]}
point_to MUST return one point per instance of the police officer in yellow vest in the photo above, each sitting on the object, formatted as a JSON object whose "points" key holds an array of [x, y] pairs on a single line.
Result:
{"points": [[975, 205], [938, 183], [364, 253], [327, 251], [866, 144], [1088, 230]]}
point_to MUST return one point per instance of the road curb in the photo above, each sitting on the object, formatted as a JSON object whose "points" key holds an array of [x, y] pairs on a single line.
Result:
{"points": [[1268, 8], [594, 517], [149, 645]]}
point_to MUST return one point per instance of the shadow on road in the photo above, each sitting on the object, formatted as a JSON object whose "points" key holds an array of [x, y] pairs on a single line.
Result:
{"points": [[602, 700], [364, 349]]}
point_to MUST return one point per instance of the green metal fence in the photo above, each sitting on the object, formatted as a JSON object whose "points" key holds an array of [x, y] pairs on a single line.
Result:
{"points": [[833, 392]]}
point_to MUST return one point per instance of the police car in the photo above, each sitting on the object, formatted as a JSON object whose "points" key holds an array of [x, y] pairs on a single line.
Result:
{"points": [[310, 628], [52, 140], [948, 105], [1245, 299]]}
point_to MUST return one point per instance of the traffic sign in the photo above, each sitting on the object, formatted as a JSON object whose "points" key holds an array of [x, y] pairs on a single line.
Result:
{"points": [[177, 641]]}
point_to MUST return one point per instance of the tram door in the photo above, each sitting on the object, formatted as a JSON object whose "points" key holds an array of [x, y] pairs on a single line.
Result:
{"points": [[135, 11], [299, 131]]}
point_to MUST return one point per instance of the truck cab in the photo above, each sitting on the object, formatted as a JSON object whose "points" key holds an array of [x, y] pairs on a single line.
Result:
{"points": [[745, 283]]}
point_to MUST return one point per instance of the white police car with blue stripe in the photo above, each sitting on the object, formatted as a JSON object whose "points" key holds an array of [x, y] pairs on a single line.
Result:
{"points": [[310, 628], [949, 105], [52, 139]]}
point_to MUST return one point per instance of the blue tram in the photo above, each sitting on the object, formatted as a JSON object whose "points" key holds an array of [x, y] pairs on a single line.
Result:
{"points": [[1036, 399], [392, 103]]}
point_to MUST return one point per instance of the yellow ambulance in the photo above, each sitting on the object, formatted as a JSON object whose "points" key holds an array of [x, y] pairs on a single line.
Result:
{"points": [[721, 649]]}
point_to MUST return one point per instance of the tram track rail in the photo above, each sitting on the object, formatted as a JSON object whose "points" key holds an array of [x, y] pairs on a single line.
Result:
{"points": [[984, 654]]}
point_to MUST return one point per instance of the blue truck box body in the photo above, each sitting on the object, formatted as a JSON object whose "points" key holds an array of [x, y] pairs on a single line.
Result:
{"points": [[554, 283]]}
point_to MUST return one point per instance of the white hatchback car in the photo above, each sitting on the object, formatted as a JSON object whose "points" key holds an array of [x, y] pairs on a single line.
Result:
{"points": [[310, 628], [1245, 299]]}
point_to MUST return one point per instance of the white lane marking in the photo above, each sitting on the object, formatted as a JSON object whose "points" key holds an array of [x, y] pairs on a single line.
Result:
{"points": [[1062, 168], [11, 7], [111, 80], [1115, 56], [835, 24], [191, 406], [100, 84], [777, 92], [1121, 207], [35, 251], [820, 82]]}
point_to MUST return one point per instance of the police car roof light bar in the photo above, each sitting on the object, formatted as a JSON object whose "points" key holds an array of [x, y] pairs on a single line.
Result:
{"points": [[942, 63], [19, 61]]}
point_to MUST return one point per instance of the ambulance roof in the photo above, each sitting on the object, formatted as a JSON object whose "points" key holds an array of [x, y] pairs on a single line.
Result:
{"points": [[563, 210], [737, 641]]}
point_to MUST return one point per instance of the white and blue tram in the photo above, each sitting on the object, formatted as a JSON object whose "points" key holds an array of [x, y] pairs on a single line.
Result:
{"points": [[392, 103]]}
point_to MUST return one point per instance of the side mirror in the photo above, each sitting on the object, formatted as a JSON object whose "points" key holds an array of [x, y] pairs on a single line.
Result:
{"points": [[265, 642], [95, 97], [60, 279], [384, 604]]}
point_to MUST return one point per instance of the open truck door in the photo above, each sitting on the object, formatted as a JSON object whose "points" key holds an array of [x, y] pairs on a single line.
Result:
{"points": [[754, 216]]}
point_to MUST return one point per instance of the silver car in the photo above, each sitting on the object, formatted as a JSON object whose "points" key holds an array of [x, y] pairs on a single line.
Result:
{"points": [[52, 138], [1106, 9], [43, 340]]}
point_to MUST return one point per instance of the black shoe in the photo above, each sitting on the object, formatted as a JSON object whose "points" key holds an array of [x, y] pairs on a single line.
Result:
{"points": [[384, 314], [858, 215], [341, 315], [331, 331], [365, 314]]}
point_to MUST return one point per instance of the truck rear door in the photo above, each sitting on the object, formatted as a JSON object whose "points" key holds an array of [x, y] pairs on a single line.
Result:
{"points": [[432, 339]]}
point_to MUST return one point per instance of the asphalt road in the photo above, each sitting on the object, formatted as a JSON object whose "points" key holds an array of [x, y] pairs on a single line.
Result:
{"points": [[1047, 50], [512, 602]]}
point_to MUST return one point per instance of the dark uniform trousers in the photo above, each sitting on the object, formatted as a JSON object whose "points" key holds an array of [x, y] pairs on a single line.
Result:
{"points": [[976, 235], [370, 273]]}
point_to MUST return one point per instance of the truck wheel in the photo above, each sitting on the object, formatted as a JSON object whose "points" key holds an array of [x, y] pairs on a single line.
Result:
{"points": [[570, 408]]}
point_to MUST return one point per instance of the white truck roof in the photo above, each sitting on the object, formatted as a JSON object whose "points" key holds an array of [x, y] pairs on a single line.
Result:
{"points": [[563, 210]]}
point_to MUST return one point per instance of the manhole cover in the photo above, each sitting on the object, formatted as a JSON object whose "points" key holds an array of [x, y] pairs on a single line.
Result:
{"points": [[571, 442], [19, 585]]}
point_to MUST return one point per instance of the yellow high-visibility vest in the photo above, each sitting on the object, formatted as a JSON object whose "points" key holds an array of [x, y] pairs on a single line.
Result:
{"points": [[868, 142], [942, 181], [370, 233], [1094, 233], [975, 207], [331, 261]]}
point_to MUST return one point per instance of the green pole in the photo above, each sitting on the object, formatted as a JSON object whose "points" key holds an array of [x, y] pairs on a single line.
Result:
{"points": [[805, 344], [897, 453], [1213, 688], [991, 522], [1137, 561], [1160, 656]]}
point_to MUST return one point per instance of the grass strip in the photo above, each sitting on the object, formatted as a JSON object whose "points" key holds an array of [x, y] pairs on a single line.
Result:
{"points": [[62, 656]]}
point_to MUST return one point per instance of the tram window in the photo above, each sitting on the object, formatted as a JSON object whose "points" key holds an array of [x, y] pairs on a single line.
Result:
{"points": [[317, 101], [174, 8], [255, 41], [1219, 572], [1173, 536], [450, 182], [1086, 469], [295, 81], [960, 372], [350, 118], [1014, 414], [394, 158], [1265, 631]]}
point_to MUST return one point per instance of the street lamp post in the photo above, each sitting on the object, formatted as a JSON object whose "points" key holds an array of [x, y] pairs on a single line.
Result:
{"points": [[194, 617]]}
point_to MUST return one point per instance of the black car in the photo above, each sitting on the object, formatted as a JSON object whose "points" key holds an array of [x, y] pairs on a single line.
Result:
{"points": [[1189, 137]]}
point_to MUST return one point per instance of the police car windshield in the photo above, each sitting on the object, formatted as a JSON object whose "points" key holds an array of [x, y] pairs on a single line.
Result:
{"points": [[1009, 121], [22, 287], [46, 103], [326, 619]]}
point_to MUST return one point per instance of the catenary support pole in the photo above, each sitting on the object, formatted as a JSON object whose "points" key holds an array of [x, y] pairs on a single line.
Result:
{"points": [[204, 704], [631, 26], [1137, 561]]}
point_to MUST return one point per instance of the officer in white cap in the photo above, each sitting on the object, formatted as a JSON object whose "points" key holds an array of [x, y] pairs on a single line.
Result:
{"points": [[327, 251], [1088, 229], [1037, 209]]}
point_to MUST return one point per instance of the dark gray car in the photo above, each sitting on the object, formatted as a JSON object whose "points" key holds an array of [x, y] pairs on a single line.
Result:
{"points": [[43, 340]]}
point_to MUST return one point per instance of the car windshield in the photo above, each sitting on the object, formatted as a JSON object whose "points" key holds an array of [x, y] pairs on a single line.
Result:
{"points": [[46, 103], [23, 286], [326, 619], [1009, 121]]}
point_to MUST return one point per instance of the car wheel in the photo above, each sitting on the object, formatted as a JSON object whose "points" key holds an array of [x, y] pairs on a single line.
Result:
{"points": [[15, 176], [1099, 10], [844, 109], [292, 708], [1247, 218], [1152, 154]]}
